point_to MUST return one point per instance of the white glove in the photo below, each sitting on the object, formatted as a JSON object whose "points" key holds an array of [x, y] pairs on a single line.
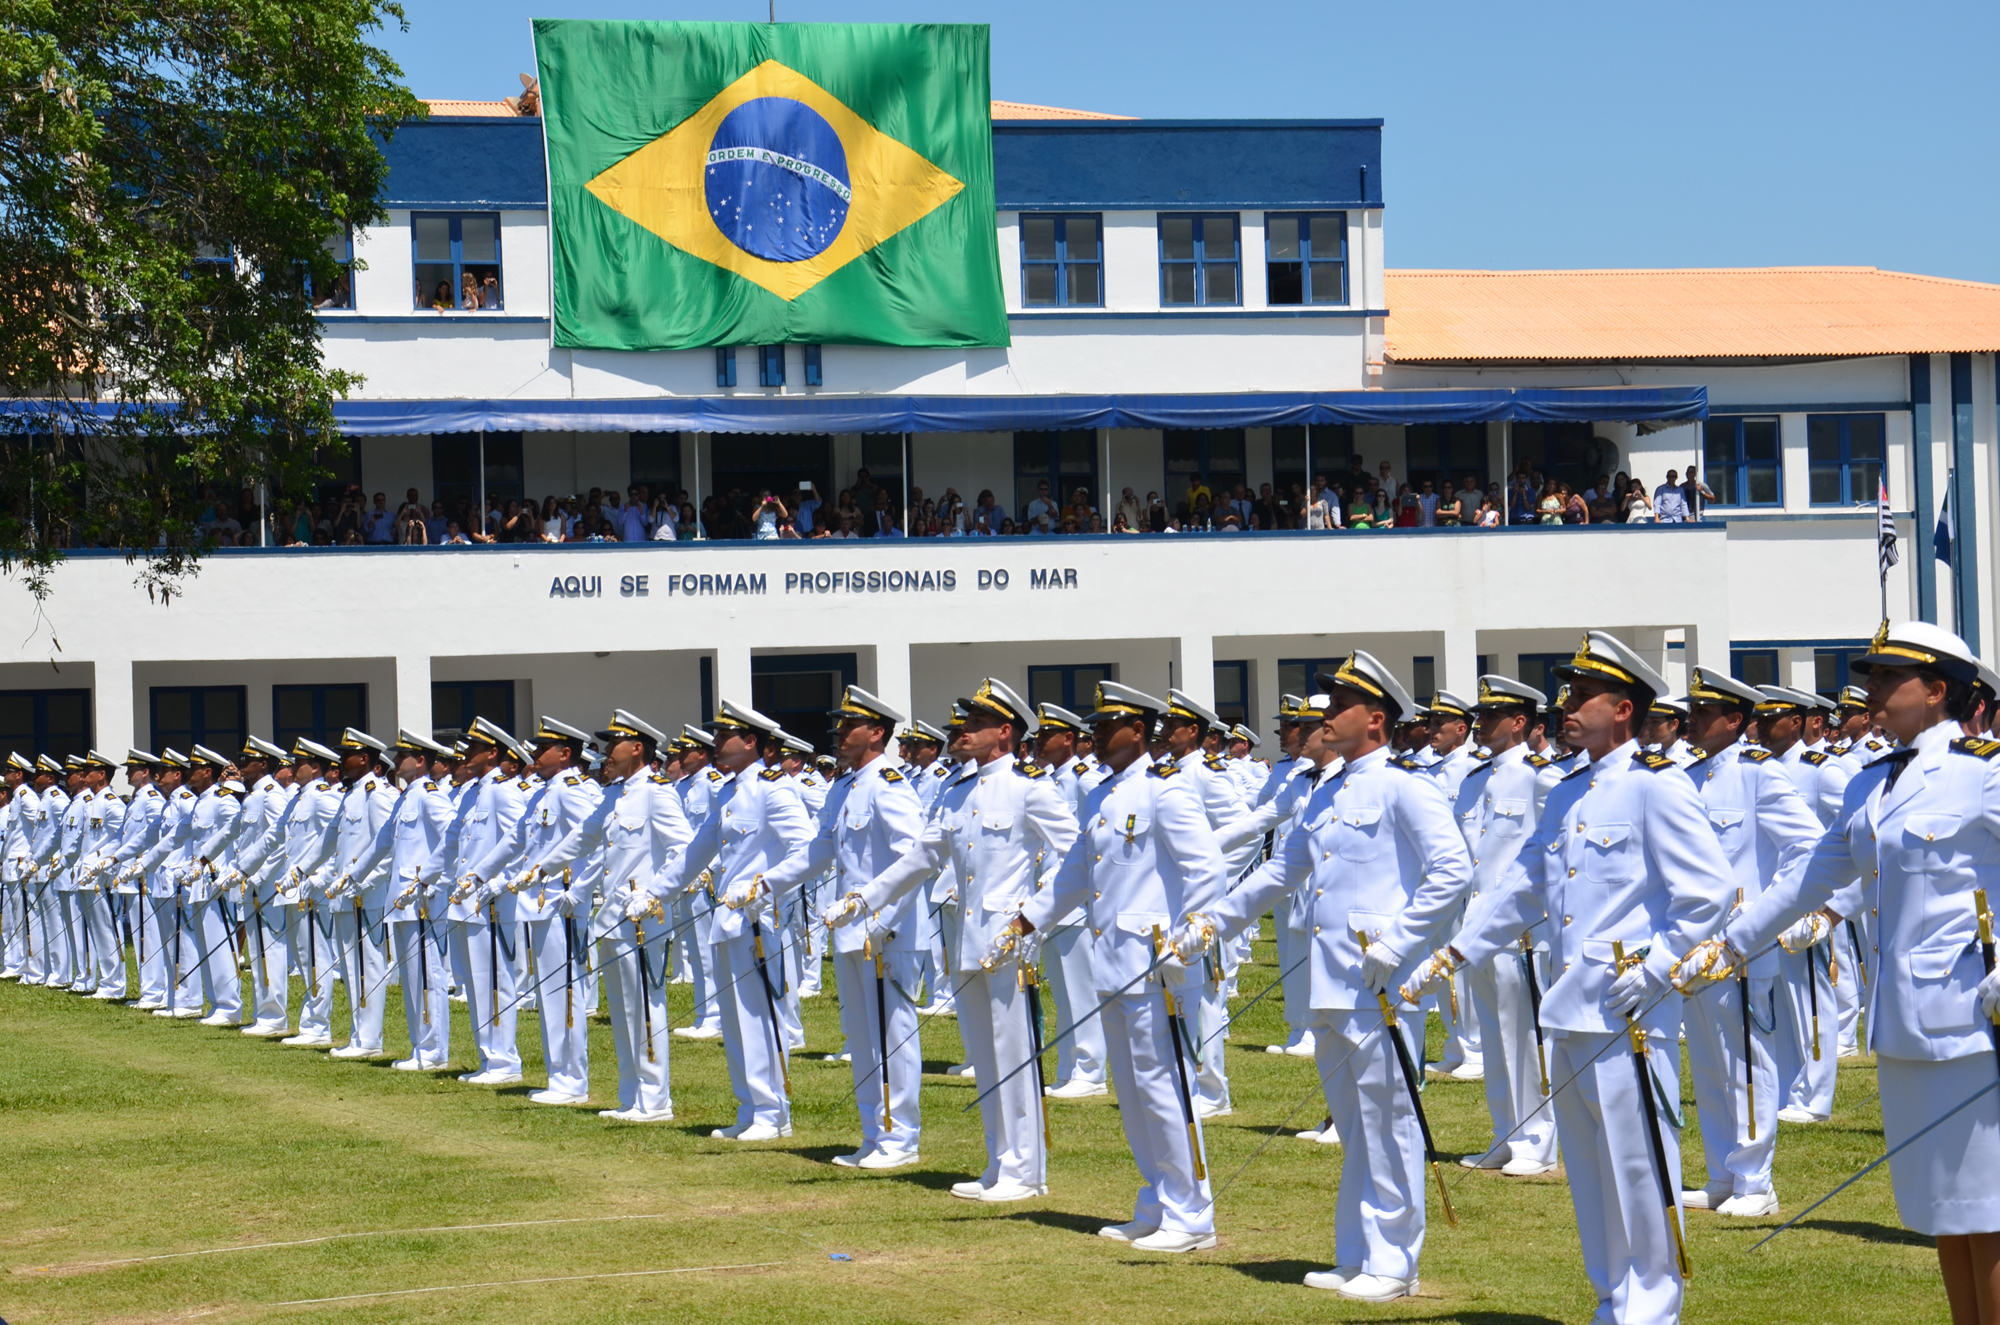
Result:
{"points": [[565, 905], [1989, 996], [1436, 969], [1708, 962], [463, 890], [1636, 988], [1006, 943], [234, 879], [877, 933], [848, 910], [524, 880], [741, 893], [1193, 939], [638, 906], [1804, 932], [1379, 964]]}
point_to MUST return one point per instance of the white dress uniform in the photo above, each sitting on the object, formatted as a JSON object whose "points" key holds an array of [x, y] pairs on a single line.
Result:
{"points": [[1765, 830], [267, 805], [356, 903], [642, 833], [46, 849], [991, 826], [440, 874], [1375, 852], [1806, 1044], [1623, 853], [869, 820], [1066, 949], [402, 846], [161, 866], [212, 829], [25, 945], [755, 823], [1464, 1055], [1918, 831], [306, 836], [104, 821], [694, 913], [75, 975], [1499, 804], [135, 835], [482, 920], [1144, 861]]}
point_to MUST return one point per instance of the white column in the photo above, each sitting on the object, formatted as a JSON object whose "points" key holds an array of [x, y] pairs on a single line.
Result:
{"points": [[1458, 669], [732, 675], [892, 675], [115, 729], [1194, 671], [1264, 694], [413, 696]]}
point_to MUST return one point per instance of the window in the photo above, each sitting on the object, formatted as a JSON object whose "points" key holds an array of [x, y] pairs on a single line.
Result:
{"points": [[1212, 458], [814, 375], [1065, 461], [1444, 453], [1845, 451], [1062, 262], [1075, 688], [1325, 450], [1754, 667], [799, 692], [1485, 664], [1566, 452], [45, 722], [1232, 692], [1536, 669], [455, 467], [1199, 260], [454, 704], [340, 294], [1741, 457], [319, 713], [1298, 676], [1423, 679], [656, 461], [770, 365], [882, 457], [747, 463], [187, 716], [1830, 669], [450, 250], [1305, 258], [725, 366]]}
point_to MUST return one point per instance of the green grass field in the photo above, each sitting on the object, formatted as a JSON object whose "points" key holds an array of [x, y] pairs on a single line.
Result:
{"points": [[127, 1137]]}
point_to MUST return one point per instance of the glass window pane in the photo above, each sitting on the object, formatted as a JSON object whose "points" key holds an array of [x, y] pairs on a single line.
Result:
{"points": [[1183, 452], [1760, 439], [1825, 485], [173, 711], [223, 711], [479, 239], [1762, 481], [1721, 480], [344, 707], [1177, 284], [1327, 284], [1177, 238], [1288, 448], [339, 246], [1823, 441], [1080, 238], [295, 709], [1284, 283], [433, 238], [1219, 284], [1865, 481], [1719, 444], [1218, 237], [1045, 685], [1225, 450], [1083, 283], [1327, 233], [1040, 282], [1282, 235], [1038, 238], [1864, 440]]}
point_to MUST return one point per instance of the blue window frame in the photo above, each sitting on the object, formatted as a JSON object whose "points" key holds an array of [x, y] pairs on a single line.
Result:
{"points": [[454, 704], [1845, 454], [1295, 675], [1065, 461], [1232, 692], [49, 722], [770, 365], [815, 375], [340, 294], [1212, 458], [1073, 687], [317, 712], [1756, 667], [1200, 260], [800, 690], [448, 247], [186, 716], [725, 365], [1535, 669], [1830, 669], [1743, 460], [1062, 261], [1305, 258]]}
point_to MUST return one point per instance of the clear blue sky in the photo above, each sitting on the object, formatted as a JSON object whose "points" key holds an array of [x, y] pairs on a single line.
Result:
{"points": [[1554, 135]]}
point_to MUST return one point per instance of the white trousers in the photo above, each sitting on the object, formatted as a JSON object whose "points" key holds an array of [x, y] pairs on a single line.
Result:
{"points": [[1806, 1045], [1294, 944], [318, 957], [107, 945], [1621, 1214], [1506, 1014], [13, 924], [1846, 976], [74, 937], [151, 952], [1738, 1164], [1072, 990], [265, 932], [751, 1029], [48, 907], [221, 979], [364, 968], [694, 926], [426, 1008], [993, 1024], [1210, 1030], [480, 950], [556, 963], [635, 994], [1139, 1041], [1379, 1211], [180, 952], [895, 1125]]}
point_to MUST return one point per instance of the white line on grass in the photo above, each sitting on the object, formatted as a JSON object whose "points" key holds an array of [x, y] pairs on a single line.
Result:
{"points": [[515, 1283]]}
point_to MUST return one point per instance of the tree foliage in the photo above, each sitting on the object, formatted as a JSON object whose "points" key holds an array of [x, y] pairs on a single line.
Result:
{"points": [[171, 172]]}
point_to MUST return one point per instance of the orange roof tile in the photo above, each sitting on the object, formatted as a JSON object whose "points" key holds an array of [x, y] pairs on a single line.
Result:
{"points": [[1002, 110], [496, 109], [1751, 312]]}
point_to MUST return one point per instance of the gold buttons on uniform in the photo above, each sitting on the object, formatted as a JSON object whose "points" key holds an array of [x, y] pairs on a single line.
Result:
{"points": [[1315, 929], [1572, 874], [1319, 892], [1100, 855], [1566, 920]]}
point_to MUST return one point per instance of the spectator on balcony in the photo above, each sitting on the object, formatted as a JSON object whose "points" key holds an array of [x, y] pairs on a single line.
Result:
{"points": [[765, 521], [410, 531], [1409, 508], [1129, 507], [1450, 512], [453, 535], [1488, 516], [1574, 509], [1119, 524], [1041, 512], [881, 516], [1637, 507], [1697, 494], [434, 521], [1670, 501], [632, 523], [1469, 495], [986, 508], [1200, 491], [666, 520], [1385, 478], [1321, 515], [441, 298], [378, 524], [809, 504]]}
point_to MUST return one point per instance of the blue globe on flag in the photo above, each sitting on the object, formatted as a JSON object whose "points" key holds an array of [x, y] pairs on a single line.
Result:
{"points": [[776, 180]]}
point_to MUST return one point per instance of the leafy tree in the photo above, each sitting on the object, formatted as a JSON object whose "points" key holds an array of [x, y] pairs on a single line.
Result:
{"points": [[171, 174]]}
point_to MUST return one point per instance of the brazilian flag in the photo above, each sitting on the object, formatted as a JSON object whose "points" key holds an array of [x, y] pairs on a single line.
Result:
{"points": [[752, 184]]}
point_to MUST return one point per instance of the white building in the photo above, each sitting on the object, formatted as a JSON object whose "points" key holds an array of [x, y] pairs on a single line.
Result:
{"points": [[1188, 301]]}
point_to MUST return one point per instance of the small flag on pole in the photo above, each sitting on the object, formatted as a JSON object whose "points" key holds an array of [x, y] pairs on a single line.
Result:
{"points": [[1885, 523], [1946, 526]]}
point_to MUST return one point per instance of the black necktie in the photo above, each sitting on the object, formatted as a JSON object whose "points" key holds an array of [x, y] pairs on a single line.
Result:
{"points": [[1897, 761]]}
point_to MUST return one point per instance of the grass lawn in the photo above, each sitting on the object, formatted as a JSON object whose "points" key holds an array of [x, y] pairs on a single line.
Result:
{"points": [[124, 1135]]}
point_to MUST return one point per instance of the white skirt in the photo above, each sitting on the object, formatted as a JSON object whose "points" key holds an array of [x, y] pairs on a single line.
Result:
{"points": [[1946, 1183]]}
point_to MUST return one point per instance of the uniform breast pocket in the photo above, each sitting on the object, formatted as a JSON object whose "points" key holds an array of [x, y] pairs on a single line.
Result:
{"points": [[997, 821], [1929, 841], [1944, 980], [1512, 809], [1360, 832], [627, 827], [1727, 824], [1610, 853]]}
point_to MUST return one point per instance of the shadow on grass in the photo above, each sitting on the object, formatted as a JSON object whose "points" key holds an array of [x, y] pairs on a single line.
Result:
{"points": [[1294, 1273], [1867, 1232], [1063, 1219]]}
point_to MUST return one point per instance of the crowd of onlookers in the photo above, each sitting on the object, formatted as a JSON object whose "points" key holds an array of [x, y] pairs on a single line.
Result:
{"points": [[1362, 501]]}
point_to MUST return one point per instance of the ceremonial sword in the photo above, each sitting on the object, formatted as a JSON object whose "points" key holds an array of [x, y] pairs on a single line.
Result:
{"points": [[1180, 1064], [1416, 1100], [1642, 1064], [1535, 1007]]}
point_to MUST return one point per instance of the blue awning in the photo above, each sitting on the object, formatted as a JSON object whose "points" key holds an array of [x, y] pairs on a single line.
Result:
{"points": [[934, 414]]}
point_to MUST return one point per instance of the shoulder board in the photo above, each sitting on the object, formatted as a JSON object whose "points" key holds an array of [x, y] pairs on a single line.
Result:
{"points": [[1079, 768], [1408, 765], [1814, 757], [1030, 771], [430, 784], [224, 791], [660, 780], [1976, 746], [572, 780], [1164, 770], [716, 775], [1653, 761], [1755, 755], [1574, 772], [152, 790], [939, 770], [525, 785], [772, 774], [1216, 762], [369, 785], [1538, 761], [891, 775], [1478, 768]]}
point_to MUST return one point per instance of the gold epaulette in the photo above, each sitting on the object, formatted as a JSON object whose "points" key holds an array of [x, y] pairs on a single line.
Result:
{"points": [[1975, 746], [1164, 770], [772, 774], [1030, 771], [1655, 762], [891, 775], [1755, 755]]}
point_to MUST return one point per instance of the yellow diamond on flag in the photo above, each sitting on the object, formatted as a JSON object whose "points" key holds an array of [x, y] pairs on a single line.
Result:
{"points": [[776, 180]]}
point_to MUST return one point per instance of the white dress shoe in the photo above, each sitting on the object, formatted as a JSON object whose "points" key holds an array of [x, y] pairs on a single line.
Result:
{"points": [[1325, 1134], [637, 1115], [1525, 1167], [1004, 1190], [1492, 1159], [148, 1004], [1792, 1113], [1203, 1109], [852, 1161], [1303, 1049], [109, 995], [699, 1032], [761, 1132], [1332, 1280], [495, 1076], [1274, 1048], [1077, 1088], [729, 1133], [352, 1051], [1753, 1206], [83, 987], [408, 1065], [961, 1070], [557, 1097], [1131, 1231], [621, 1115], [220, 1019], [889, 1159], [1168, 1240], [1377, 1288], [968, 1190], [304, 1041], [185, 1014], [1701, 1198], [937, 1010]]}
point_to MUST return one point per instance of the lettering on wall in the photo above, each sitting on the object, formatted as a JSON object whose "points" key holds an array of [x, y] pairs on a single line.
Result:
{"points": [[895, 581]]}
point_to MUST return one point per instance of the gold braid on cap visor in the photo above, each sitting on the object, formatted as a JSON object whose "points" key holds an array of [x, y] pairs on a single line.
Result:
{"points": [[849, 709], [1771, 708], [620, 729], [1354, 680], [1181, 711]]}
